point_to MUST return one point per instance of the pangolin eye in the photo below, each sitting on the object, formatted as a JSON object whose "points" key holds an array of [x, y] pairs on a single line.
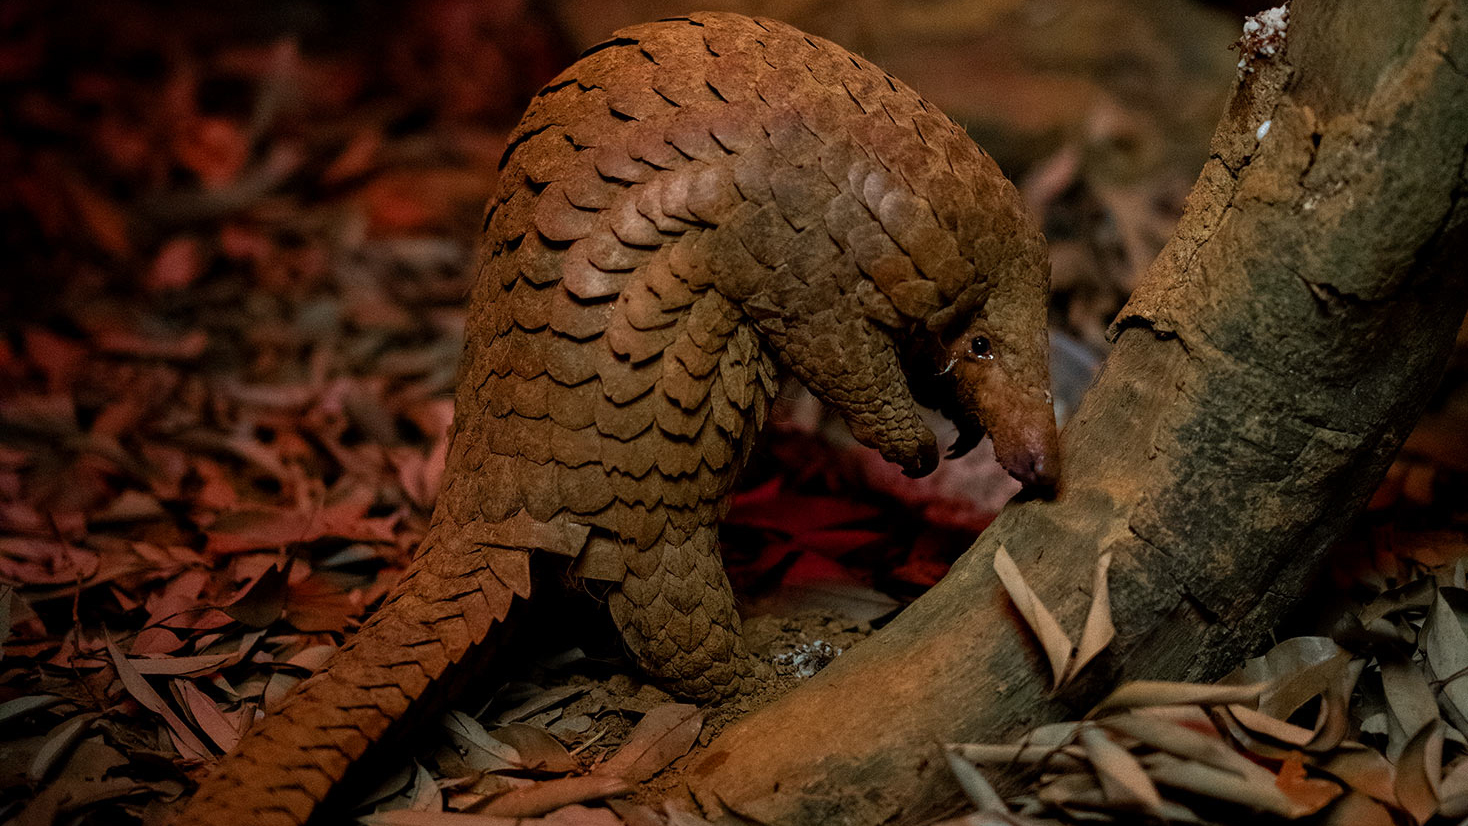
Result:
{"points": [[981, 347]]}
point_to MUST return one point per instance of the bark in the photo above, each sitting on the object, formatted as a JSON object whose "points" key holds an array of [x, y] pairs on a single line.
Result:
{"points": [[1264, 374]]}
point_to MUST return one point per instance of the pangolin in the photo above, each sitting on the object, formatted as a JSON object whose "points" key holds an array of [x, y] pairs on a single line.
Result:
{"points": [[694, 205]]}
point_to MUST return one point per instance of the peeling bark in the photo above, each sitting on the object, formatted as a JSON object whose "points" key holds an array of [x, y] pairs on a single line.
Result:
{"points": [[1276, 355]]}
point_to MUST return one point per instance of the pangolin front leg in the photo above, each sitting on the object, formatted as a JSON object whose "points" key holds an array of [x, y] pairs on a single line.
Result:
{"points": [[692, 205]]}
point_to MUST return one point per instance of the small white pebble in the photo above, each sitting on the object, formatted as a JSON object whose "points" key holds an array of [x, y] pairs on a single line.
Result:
{"points": [[1275, 20], [1264, 35], [1262, 130]]}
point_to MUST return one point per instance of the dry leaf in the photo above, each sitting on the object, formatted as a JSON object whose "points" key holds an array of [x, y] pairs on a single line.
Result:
{"points": [[1453, 791], [1358, 810], [635, 814], [1218, 784], [1298, 670], [1122, 777], [1144, 693], [21, 706], [1056, 644], [1260, 723], [58, 745], [1410, 700], [187, 743], [425, 795], [195, 666], [1183, 741], [973, 783], [577, 815], [1446, 646], [1059, 759], [1364, 770], [406, 817], [550, 795], [262, 601], [540, 701], [1308, 794], [1419, 772], [663, 735], [483, 753], [538, 750], [209, 718], [1099, 630]]}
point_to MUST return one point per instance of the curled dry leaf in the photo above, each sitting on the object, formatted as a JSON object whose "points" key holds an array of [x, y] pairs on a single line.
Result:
{"points": [[1143, 693], [1298, 670], [1053, 640], [1414, 595], [1259, 723], [1419, 772], [1453, 791], [1066, 660], [978, 789], [1410, 701]]}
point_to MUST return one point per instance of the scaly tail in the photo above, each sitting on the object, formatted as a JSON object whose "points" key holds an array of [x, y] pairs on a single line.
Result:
{"points": [[442, 616]]}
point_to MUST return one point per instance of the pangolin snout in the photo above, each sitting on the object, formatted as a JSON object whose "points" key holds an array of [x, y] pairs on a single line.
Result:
{"points": [[1031, 456]]}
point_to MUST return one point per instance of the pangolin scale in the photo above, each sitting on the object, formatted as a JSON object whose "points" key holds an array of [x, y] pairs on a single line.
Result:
{"points": [[693, 206]]}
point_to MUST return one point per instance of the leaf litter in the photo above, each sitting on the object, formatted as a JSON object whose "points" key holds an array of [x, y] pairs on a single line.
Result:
{"points": [[1289, 734]]}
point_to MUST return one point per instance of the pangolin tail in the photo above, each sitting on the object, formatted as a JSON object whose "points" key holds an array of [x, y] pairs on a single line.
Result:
{"points": [[446, 613]]}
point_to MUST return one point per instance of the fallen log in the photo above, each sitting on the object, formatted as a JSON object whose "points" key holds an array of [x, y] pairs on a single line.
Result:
{"points": [[1267, 369]]}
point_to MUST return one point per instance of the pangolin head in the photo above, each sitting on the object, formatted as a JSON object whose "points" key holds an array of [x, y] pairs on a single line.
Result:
{"points": [[986, 366]]}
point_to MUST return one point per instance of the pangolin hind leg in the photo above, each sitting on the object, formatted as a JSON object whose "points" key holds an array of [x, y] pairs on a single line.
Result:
{"points": [[676, 612]]}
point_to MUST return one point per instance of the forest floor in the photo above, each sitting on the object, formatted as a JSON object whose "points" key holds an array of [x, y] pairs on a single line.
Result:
{"points": [[228, 345]]}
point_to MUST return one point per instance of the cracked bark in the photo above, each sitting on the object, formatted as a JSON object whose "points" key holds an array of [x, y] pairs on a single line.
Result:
{"points": [[1236, 429]]}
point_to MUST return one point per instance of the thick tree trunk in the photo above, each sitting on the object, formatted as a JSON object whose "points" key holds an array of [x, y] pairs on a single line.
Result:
{"points": [[1278, 352]]}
